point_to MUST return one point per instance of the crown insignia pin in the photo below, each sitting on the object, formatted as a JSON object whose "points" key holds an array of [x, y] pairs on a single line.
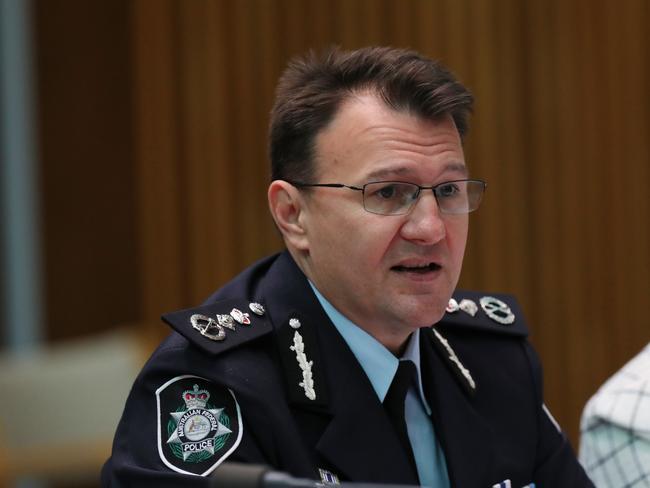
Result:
{"points": [[196, 398]]}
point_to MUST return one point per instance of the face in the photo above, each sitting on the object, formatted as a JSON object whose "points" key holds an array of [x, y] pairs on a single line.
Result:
{"points": [[388, 274]]}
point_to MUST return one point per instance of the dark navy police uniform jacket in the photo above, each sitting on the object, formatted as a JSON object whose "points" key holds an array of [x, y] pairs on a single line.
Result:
{"points": [[297, 400]]}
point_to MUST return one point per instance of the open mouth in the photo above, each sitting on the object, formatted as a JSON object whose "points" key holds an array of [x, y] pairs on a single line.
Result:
{"points": [[425, 268]]}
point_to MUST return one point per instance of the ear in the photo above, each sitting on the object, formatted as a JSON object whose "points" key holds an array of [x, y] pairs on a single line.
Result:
{"points": [[287, 207]]}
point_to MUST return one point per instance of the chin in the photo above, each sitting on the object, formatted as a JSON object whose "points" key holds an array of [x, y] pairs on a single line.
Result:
{"points": [[426, 318]]}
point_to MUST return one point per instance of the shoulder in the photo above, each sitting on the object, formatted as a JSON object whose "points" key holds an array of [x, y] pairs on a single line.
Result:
{"points": [[222, 325], [493, 313], [488, 334], [233, 316]]}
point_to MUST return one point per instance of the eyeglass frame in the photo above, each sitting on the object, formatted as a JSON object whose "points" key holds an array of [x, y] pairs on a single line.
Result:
{"points": [[362, 189]]}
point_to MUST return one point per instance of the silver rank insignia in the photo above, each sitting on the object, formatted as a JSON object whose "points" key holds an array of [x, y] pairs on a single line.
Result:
{"points": [[199, 424], [226, 321], [208, 327], [452, 306], [240, 316], [305, 365], [294, 323], [497, 310], [468, 306], [256, 308], [454, 359]]}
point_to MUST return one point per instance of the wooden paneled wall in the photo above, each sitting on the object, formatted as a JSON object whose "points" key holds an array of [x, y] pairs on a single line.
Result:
{"points": [[561, 133], [87, 190]]}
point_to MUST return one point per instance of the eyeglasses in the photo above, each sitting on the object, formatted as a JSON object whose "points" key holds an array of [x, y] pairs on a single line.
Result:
{"points": [[398, 197]]}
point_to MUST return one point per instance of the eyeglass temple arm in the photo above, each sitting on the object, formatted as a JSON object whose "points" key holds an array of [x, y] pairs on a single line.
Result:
{"points": [[326, 185]]}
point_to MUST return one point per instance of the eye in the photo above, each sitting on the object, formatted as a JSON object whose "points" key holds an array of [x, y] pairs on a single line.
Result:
{"points": [[448, 190], [389, 197], [387, 192]]}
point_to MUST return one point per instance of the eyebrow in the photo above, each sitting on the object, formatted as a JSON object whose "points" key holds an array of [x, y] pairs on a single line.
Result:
{"points": [[403, 170]]}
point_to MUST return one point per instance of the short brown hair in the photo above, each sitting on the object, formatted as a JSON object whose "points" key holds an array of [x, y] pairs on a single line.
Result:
{"points": [[312, 88]]}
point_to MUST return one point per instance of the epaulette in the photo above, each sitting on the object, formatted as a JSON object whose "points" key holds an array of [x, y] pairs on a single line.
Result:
{"points": [[222, 325], [494, 312]]}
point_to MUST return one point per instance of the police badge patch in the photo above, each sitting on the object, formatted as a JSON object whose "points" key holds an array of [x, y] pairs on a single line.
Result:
{"points": [[199, 424]]}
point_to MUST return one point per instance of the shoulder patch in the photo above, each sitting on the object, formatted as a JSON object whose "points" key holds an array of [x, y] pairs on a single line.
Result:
{"points": [[199, 424], [493, 312], [222, 325]]}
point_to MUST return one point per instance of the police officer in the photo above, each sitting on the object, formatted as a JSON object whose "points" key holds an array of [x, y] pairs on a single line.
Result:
{"points": [[345, 358]]}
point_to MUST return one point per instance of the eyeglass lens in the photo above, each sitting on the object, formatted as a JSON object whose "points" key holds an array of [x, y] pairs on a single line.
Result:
{"points": [[394, 198]]}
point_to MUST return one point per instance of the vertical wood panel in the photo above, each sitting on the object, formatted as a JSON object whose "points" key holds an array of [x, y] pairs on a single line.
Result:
{"points": [[162, 260], [86, 184]]}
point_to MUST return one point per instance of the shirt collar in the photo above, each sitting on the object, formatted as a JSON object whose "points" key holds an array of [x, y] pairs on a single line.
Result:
{"points": [[379, 364]]}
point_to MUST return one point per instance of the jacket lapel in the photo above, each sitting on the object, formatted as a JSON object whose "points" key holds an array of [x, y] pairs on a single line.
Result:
{"points": [[359, 440], [463, 434], [350, 429]]}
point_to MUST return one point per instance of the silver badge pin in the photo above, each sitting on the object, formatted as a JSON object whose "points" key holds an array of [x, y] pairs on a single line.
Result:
{"points": [[454, 359], [468, 306], [305, 365], [240, 316], [452, 306], [497, 310], [256, 308], [208, 327], [226, 321], [294, 323]]}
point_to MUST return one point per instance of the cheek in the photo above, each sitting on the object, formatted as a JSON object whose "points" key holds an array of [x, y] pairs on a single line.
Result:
{"points": [[457, 237]]}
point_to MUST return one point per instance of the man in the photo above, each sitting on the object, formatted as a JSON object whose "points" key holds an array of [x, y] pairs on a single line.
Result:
{"points": [[615, 427], [322, 361]]}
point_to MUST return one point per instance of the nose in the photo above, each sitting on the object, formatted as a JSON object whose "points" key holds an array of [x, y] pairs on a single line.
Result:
{"points": [[424, 224]]}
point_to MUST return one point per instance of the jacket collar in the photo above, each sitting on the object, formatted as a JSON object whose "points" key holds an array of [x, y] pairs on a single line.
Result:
{"points": [[464, 435], [357, 439]]}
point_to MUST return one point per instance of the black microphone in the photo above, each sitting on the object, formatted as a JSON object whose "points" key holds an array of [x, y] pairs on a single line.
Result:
{"points": [[239, 475]]}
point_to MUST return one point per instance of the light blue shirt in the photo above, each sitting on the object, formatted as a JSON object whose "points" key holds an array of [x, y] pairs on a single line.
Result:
{"points": [[380, 365]]}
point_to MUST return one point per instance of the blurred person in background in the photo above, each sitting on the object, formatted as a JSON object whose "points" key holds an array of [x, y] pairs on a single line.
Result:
{"points": [[615, 428], [350, 356]]}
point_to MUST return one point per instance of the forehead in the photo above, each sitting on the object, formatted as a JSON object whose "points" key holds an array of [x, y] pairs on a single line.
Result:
{"points": [[368, 139]]}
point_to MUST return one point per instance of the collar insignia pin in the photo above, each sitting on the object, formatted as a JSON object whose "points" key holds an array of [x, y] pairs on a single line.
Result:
{"points": [[294, 323], [497, 310], [256, 308], [226, 321], [468, 306], [452, 307], [298, 347], [240, 316], [208, 327], [454, 359]]}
